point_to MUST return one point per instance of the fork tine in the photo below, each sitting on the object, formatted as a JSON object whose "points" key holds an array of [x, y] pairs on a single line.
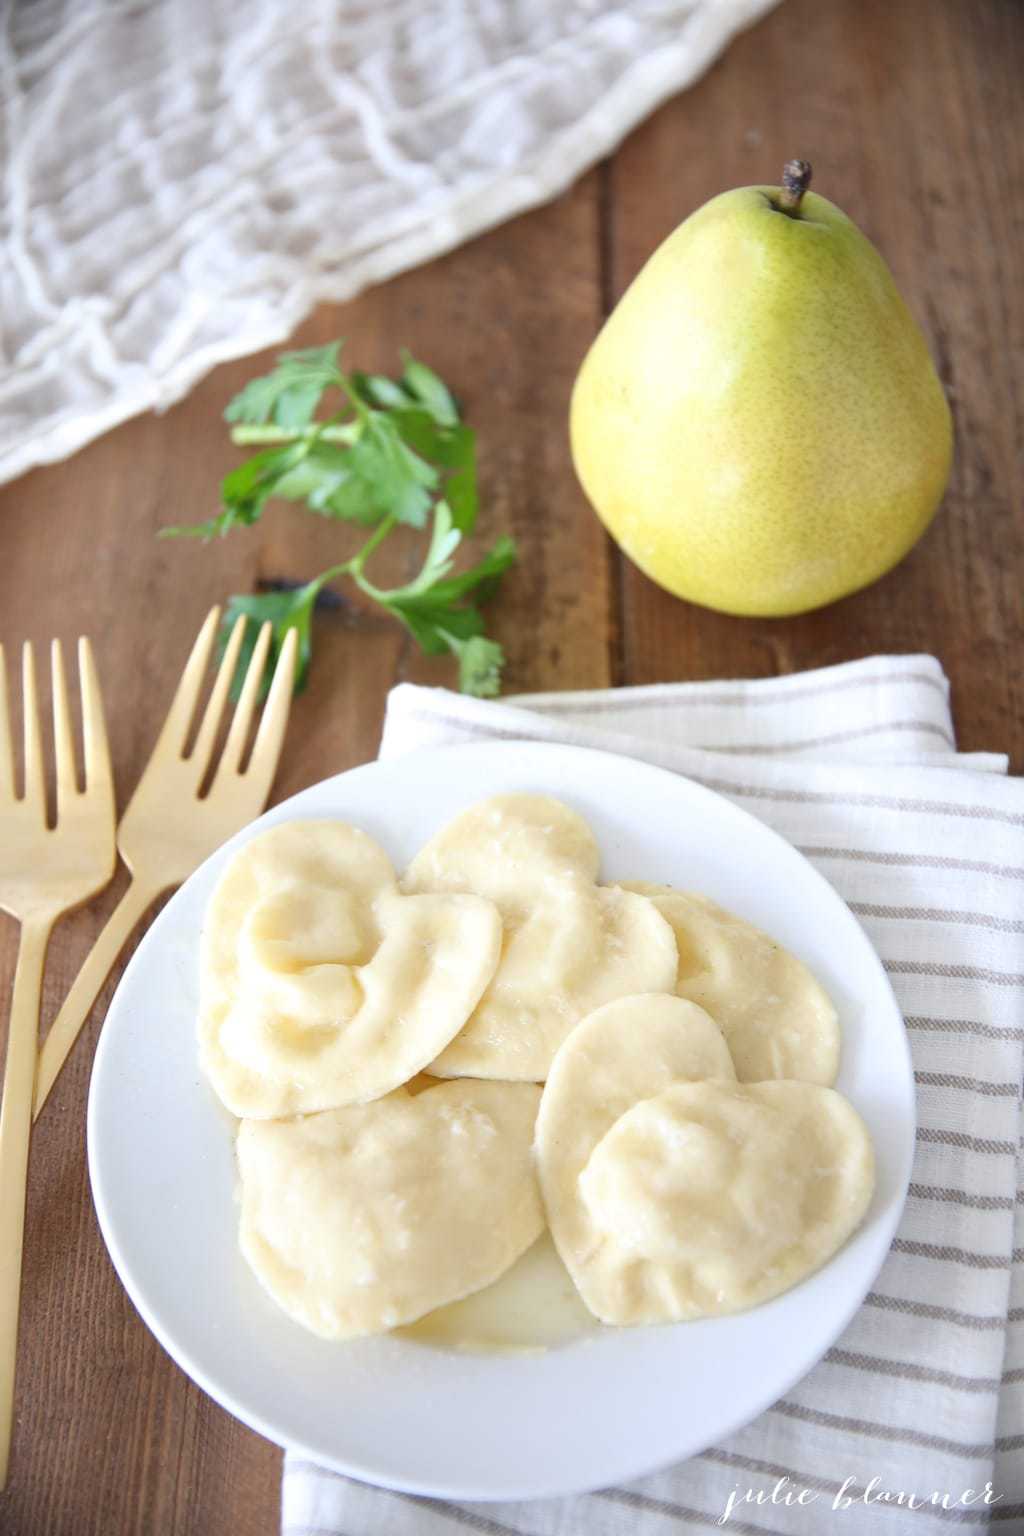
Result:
{"points": [[175, 728], [270, 736], [98, 773], [67, 784], [239, 732], [35, 782], [6, 746], [200, 753]]}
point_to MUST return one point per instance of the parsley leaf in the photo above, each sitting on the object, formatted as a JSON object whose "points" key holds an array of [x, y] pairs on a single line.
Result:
{"points": [[384, 476], [424, 385], [482, 577], [419, 388], [394, 451], [245, 491], [285, 610], [290, 394], [376, 389], [480, 664], [454, 448], [434, 607]]}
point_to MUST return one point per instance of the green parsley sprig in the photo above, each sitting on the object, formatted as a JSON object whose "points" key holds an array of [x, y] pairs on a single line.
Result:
{"points": [[393, 451]]}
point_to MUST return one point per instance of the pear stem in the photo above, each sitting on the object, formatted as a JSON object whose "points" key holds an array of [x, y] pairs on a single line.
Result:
{"points": [[796, 178]]}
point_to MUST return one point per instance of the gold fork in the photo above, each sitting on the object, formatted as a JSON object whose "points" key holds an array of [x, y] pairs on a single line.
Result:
{"points": [[43, 873], [169, 828]]}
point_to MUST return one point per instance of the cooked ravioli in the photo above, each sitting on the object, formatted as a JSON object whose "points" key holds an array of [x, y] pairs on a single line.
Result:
{"points": [[360, 1219], [568, 946], [621, 1054], [712, 1197], [778, 1020], [321, 984]]}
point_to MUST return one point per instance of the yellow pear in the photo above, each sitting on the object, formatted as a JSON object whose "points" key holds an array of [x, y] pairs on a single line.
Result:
{"points": [[759, 424]]}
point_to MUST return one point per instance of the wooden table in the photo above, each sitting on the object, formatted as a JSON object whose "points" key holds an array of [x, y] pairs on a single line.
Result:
{"points": [[913, 116]]}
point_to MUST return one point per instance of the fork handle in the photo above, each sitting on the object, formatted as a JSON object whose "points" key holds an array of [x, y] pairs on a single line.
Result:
{"points": [[15, 1130], [85, 988]]}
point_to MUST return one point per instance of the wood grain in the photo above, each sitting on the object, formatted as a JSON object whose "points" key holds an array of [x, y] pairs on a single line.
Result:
{"points": [[913, 117]]}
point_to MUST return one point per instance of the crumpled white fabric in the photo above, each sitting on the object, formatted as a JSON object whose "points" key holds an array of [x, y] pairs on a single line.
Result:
{"points": [[186, 180]]}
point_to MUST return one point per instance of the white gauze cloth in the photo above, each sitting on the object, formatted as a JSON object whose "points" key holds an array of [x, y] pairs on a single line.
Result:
{"points": [[857, 766], [186, 180]]}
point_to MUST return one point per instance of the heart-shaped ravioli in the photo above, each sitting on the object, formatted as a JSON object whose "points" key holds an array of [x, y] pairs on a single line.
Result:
{"points": [[779, 1021], [712, 1197], [569, 944], [359, 1220], [321, 984], [622, 1053]]}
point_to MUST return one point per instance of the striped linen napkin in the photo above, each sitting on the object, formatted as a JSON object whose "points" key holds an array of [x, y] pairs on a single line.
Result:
{"points": [[923, 1395]]}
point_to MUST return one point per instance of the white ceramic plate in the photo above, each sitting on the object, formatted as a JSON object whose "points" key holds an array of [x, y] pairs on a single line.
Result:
{"points": [[424, 1420]]}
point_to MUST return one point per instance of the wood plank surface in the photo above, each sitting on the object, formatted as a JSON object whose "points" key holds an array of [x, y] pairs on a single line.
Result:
{"points": [[913, 117]]}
